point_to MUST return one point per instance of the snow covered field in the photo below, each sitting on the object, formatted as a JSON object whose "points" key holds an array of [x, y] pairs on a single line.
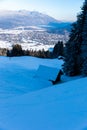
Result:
{"points": [[26, 103], [31, 45]]}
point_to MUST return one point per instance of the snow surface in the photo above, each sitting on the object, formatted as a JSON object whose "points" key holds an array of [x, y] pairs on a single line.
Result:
{"points": [[59, 107], [27, 45], [5, 44], [18, 74]]}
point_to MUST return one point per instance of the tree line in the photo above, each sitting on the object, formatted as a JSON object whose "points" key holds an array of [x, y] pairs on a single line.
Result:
{"points": [[18, 51]]}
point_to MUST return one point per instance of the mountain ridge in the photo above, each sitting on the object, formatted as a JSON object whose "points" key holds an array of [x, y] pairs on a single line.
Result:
{"points": [[12, 19]]}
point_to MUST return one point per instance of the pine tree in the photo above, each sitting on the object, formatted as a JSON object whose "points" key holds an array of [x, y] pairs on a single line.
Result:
{"points": [[84, 43], [17, 50], [58, 50], [84, 67], [73, 55]]}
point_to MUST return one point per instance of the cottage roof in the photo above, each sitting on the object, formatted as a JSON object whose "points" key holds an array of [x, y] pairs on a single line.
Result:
{"points": [[47, 73]]}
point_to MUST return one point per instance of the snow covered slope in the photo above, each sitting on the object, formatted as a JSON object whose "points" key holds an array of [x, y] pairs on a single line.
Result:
{"points": [[18, 75], [59, 107]]}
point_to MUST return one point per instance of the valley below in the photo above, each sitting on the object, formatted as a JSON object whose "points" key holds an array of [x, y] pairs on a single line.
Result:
{"points": [[34, 38]]}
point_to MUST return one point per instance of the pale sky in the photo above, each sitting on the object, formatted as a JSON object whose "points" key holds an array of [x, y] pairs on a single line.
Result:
{"points": [[60, 9]]}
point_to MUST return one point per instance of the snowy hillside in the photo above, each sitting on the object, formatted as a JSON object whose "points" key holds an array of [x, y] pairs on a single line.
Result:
{"points": [[18, 74], [59, 107], [11, 19]]}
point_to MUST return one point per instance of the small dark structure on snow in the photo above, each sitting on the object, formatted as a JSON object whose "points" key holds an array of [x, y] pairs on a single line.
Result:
{"points": [[58, 78], [49, 74]]}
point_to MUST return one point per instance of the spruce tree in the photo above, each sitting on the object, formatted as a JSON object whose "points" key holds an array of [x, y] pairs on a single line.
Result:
{"points": [[17, 50], [73, 56], [84, 43], [58, 50]]}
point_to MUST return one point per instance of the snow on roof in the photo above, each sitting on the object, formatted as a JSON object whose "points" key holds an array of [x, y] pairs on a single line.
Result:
{"points": [[47, 73]]}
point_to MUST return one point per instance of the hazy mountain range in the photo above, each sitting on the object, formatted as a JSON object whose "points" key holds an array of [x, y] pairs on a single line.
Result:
{"points": [[13, 19]]}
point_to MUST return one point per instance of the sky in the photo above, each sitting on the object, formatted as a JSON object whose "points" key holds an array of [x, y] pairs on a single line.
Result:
{"points": [[65, 10]]}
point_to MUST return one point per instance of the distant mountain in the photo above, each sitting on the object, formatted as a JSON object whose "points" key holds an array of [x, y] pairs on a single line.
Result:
{"points": [[13, 19]]}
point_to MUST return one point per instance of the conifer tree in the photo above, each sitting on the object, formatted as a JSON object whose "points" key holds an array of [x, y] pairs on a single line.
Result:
{"points": [[17, 50], [58, 49], [84, 43], [73, 56]]}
